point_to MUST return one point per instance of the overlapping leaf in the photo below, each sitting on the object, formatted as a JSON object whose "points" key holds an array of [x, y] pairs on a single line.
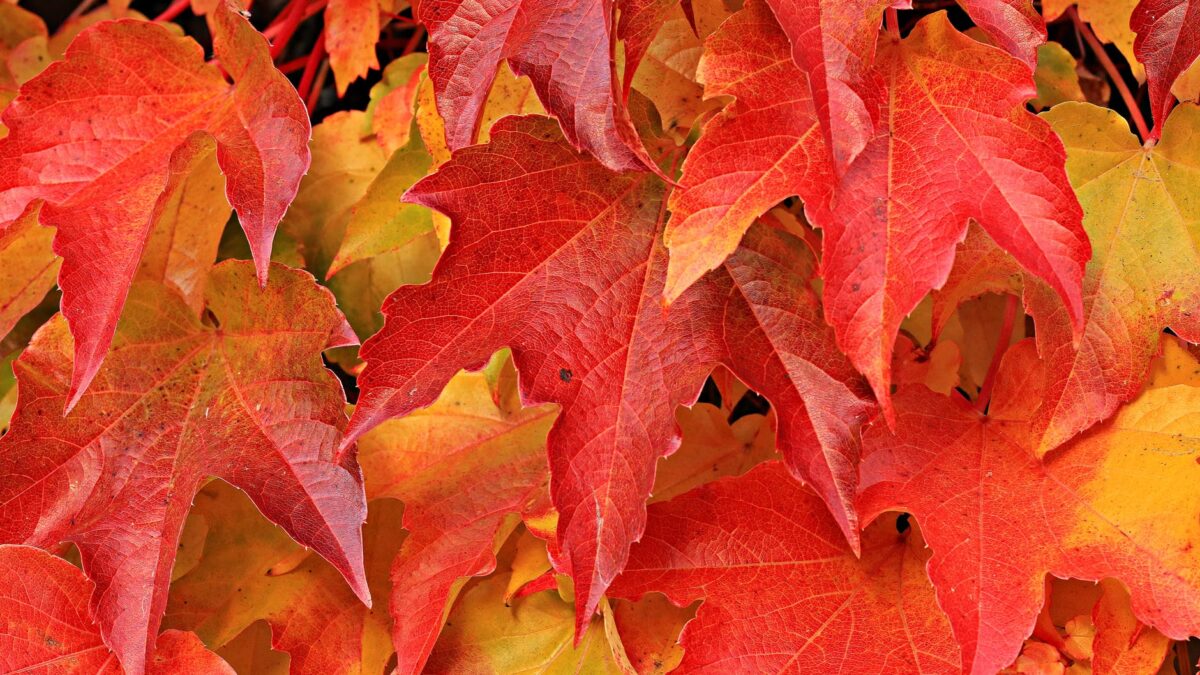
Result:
{"points": [[94, 135], [1168, 42], [564, 47], [1117, 502], [891, 224], [572, 283], [465, 468], [251, 570], [891, 228], [48, 627], [1144, 224], [781, 590], [241, 395]]}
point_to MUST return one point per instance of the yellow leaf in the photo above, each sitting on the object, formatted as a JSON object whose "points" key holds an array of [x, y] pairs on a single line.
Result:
{"points": [[1055, 77], [313, 614]]}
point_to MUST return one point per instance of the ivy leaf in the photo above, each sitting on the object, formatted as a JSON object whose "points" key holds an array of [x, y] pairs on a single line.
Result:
{"points": [[569, 278], [1168, 42], [47, 626], [464, 468], [1113, 503], [94, 135], [242, 396], [563, 47], [1136, 200], [830, 611], [891, 227]]}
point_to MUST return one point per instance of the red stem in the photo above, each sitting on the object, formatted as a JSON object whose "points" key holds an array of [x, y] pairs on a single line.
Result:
{"points": [[1113, 74], [315, 95], [891, 21], [310, 68], [312, 10], [175, 9], [414, 40], [1006, 329], [293, 65], [291, 21]]}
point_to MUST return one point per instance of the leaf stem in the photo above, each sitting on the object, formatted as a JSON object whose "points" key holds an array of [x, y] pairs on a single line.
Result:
{"points": [[414, 40], [314, 96], [310, 67], [1118, 81], [1006, 329], [891, 21], [175, 9], [313, 8], [292, 21]]}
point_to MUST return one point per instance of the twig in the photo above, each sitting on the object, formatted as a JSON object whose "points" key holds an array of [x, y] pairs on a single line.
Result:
{"points": [[175, 9], [291, 21], [1006, 329], [310, 68], [1113, 74], [314, 96]]}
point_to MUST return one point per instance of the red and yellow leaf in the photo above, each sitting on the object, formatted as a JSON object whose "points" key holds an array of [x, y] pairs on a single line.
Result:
{"points": [[241, 395]]}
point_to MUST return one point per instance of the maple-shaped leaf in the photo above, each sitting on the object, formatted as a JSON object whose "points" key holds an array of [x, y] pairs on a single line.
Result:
{"points": [[1117, 502], [464, 468], [351, 31], [892, 225], [561, 259], [93, 136], [762, 541], [565, 47], [1168, 42], [251, 570], [48, 628], [242, 396]]}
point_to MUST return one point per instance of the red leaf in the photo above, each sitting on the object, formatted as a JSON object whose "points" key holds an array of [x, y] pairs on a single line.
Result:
{"points": [[891, 228], [1168, 41], [94, 134], [564, 46], [1014, 25], [560, 259], [1114, 503], [782, 592], [763, 148], [834, 43], [179, 401], [47, 626]]}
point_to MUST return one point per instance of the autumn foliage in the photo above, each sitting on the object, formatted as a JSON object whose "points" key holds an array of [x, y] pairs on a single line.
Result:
{"points": [[816, 336]]}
